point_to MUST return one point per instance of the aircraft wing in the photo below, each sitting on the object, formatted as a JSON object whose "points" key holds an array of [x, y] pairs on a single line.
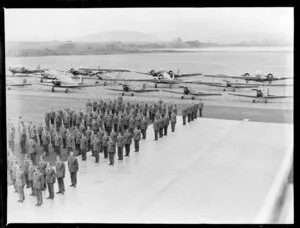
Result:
{"points": [[138, 72], [144, 90], [21, 84], [242, 95], [187, 75], [170, 91], [68, 86], [113, 89], [225, 76], [107, 70], [206, 94], [276, 97]]}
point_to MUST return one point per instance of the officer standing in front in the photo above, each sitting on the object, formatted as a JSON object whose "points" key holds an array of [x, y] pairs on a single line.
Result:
{"points": [[120, 144], [20, 183], [184, 113], [60, 175], [73, 169], [127, 142], [111, 151], [38, 183], [173, 121], [136, 138], [50, 180]]}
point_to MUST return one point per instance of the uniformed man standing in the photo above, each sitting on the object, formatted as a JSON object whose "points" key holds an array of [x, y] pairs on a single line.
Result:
{"points": [[155, 128], [189, 113], [20, 183], [113, 135], [96, 147], [161, 126], [23, 140], [33, 150], [47, 119], [200, 108], [38, 183], [73, 169], [111, 151], [173, 121], [184, 113], [11, 137], [166, 124], [50, 180], [31, 170], [83, 146], [105, 140], [120, 144], [26, 169], [77, 140], [57, 143], [63, 132], [136, 138], [88, 138], [52, 116], [60, 175], [46, 141], [42, 168], [14, 173], [127, 142], [144, 126]]}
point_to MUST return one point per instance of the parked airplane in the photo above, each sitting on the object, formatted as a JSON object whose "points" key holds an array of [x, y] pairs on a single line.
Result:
{"points": [[233, 85], [129, 89], [56, 79], [260, 96], [188, 91], [165, 77], [94, 72], [24, 70], [258, 77], [10, 84]]}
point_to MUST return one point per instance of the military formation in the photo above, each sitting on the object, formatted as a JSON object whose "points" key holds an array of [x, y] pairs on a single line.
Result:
{"points": [[107, 127]]}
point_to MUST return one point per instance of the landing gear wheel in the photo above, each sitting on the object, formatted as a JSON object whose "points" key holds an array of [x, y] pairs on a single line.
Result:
{"points": [[122, 94], [52, 90], [193, 98], [67, 90], [182, 97], [253, 100], [105, 83], [132, 94], [155, 85]]}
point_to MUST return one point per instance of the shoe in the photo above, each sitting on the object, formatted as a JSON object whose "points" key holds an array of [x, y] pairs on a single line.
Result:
{"points": [[62, 193], [48, 197], [74, 186], [16, 191], [58, 192], [52, 198], [109, 164], [71, 185], [37, 204], [19, 201]]}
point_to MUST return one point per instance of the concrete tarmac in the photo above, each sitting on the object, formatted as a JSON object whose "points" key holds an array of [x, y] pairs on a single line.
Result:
{"points": [[209, 171]]}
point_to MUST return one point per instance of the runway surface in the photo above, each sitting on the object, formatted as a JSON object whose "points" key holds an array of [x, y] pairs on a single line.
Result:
{"points": [[209, 171], [32, 107]]}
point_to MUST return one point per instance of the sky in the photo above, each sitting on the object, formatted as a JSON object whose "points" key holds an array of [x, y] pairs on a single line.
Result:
{"points": [[211, 24]]}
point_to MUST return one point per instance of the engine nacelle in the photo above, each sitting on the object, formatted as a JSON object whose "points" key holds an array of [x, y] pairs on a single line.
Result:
{"points": [[160, 77], [171, 73], [270, 76], [153, 72]]}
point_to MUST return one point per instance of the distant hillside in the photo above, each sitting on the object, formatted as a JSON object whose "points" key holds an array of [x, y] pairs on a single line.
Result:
{"points": [[123, 36]]}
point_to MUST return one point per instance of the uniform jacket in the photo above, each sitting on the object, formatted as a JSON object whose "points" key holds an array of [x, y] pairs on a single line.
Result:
{"points": [[42, 166], [30, 172], [60, 169], [73, 164], [144, 124], [50, 175], [173, 118], [20, 178], [137, 134], [128, 138], [38, 180], [111, 147], [26, 166], [96, 144], [105, 140], [113, 136], [83, 143], [155, 125], [32, 147], [120, 141]]}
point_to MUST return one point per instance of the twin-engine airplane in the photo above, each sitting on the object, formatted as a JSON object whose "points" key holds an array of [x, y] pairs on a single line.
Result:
{"points": [[258, 77], [129, 89], [260, 96], [25, 70], [55, 79], [189, 91], [165, 77]]}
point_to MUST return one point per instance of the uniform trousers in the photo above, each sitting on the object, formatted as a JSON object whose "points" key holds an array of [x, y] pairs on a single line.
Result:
{"points": [[73, 178], [120, 153], [51, 190], [137, 145], [61, 184]]}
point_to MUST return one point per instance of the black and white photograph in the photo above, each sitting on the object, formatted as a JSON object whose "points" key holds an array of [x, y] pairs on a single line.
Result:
{"points": [[150, 115]]}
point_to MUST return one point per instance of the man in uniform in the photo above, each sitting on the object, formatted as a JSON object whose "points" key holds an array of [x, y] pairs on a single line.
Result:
{"points": [[42, 168], [63, 132], [111, 151], [189, 113], [73, 169], [46, 141], [47, 119], [60, 175], [166, 124], [31, 170], [100, 136], [33, 150], [173, 121], [113, 135], [11, 137], [136, 138], [52, 116], [96, 147], [127, 142], [26, 169], [23, 140], [88, 138], [57, 143], [120, 144], [155, 128], [38, 184], [161, 126], [105, 140], [50, 180], [200, 108], [121, 124], [20, 183], [77, 140], [144, 126], [115, 122], [184, 113], [83, 146]]}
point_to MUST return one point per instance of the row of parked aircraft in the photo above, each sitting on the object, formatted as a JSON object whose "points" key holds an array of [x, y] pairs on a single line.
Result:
{"points": [[59, 79]]}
